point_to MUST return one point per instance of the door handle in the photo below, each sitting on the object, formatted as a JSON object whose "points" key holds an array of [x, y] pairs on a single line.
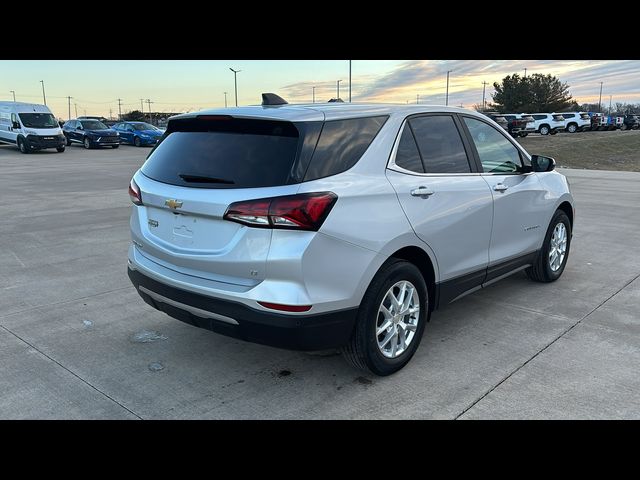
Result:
{"points": [[422, 192], [500, 187]]}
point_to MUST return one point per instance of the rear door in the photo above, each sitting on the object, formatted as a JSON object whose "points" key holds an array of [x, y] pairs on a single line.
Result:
{"points": [[447, 203], [520, 208], [191, 178]]}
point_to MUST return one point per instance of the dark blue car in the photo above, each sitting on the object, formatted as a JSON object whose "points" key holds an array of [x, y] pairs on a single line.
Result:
{"points": [[138, 133]]}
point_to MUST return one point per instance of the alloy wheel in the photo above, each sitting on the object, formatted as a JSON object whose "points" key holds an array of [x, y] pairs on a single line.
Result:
{"points": [[398, 317]]}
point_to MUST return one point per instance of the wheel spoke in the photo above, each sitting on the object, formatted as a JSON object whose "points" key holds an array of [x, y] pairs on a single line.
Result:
{"points": [[388, 337], [410, 327], [385, 311], [394, 344], [402, 337], [408, 298], [383, 327]]}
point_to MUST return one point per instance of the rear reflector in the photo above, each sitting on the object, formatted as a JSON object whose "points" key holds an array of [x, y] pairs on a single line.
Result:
{"points": [[305, 211], [134, 193], [286, 308]]}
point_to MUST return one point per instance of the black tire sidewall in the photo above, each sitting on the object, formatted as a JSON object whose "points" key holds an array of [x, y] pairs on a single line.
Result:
{"points": [[86, 142], [558, 217], [137, 142], [368, 314]]}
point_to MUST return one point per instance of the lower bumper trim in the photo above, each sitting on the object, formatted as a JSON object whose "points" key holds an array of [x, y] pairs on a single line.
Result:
{"points": [[295, 332]]}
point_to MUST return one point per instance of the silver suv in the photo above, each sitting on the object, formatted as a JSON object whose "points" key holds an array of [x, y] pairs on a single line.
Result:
{"points": [[339, 225]]}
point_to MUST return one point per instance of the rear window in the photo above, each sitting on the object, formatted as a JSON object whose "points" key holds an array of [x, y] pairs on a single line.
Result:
{"points": [[585, 116], [226, 152], [233, 153]]}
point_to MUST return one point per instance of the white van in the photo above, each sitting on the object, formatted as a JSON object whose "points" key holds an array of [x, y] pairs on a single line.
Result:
{"points": [[30, 127]]}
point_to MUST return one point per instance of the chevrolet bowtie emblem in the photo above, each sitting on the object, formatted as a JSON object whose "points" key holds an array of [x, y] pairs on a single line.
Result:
{"points": [[171, 203]]}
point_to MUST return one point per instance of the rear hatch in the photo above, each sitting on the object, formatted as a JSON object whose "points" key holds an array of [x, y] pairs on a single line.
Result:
{"points": [[200, 167]]}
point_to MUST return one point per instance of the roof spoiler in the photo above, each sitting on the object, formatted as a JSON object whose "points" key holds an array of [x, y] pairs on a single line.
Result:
{"points": [[272, 99]]}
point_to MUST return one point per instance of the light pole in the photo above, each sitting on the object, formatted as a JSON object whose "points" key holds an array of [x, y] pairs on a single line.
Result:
{"points": [[349, 81], [75, 106], [600, 100], [525, 73], [417, 98], [338, 87], [484, 104], [225, 99], [14, 95], [43, 95], [610, 104], [313, 93], [446, 101], [69, 100], [235, 81]]}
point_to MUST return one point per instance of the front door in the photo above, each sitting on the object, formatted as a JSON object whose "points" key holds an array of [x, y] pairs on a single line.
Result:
{"points": [[448, 205], [520, 204]]}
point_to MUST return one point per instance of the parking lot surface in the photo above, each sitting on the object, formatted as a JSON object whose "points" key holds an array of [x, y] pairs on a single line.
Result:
{"points": [[76, 340]]}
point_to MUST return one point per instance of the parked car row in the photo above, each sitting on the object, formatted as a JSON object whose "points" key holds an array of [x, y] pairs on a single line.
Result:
{"points": [[33, 127], [520, 125]]}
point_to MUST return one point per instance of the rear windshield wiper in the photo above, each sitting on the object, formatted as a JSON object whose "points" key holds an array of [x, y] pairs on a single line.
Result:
{"points": [[204, 179]]}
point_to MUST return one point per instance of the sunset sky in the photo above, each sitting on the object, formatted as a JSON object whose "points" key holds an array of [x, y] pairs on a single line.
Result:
{"points": [[181, 85]]}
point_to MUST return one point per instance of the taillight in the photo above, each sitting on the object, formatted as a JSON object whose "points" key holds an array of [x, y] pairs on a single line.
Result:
{"points": [[305, 211], [134, 193]]}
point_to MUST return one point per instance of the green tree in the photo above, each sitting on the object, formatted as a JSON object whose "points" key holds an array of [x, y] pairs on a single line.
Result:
{"points": [[134, 116], [535, 93]]}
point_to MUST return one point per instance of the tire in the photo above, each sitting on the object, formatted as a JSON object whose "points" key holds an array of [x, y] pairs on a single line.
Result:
{"points": [[544, 130], [115, 146], [22, 145], [572, 128], [68, 141], [137, 142], [624, 127], [541, 270], [60, 149], [363, 351], [87, 143]]}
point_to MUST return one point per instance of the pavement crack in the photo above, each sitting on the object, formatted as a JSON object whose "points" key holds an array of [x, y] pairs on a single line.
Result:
{"points": [[564, 332], [71, 372], [62, 302]]}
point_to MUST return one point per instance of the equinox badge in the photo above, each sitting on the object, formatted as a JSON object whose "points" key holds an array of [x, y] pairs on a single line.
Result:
{"points": [[171, 203]]}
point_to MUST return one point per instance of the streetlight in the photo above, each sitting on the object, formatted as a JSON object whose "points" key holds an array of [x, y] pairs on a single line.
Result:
{"points": [[446, 101], [338, 86], [225, 99], [484, 104], [349, 81], [600, 100], [417, 98], [235, 81], [525, 73], [313, 90], [43, 95], [14, 94]]}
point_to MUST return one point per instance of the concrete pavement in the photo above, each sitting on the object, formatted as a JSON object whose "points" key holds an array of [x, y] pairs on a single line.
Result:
{"points": [[76, 341]]}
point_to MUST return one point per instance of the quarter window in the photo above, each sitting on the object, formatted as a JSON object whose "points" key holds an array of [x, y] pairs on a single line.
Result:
{"points": [[497, 154], [407, 155], [440, 144]]}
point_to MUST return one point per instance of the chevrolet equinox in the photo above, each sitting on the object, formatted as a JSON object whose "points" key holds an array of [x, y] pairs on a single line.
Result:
{"points": [[339, 225]]}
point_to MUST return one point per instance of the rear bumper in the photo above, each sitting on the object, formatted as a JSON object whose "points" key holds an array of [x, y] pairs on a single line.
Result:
{"points": [[295, 332]]}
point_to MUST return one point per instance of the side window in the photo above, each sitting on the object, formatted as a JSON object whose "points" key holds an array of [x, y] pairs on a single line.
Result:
{"points": [[568, 115], [341, 144], [129, 128], [497, 154], [14, 118], [407, 155], [440, 144]]}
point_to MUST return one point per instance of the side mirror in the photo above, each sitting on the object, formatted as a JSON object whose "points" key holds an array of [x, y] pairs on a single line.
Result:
{"points": [[542, 164], [15, 125]]}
